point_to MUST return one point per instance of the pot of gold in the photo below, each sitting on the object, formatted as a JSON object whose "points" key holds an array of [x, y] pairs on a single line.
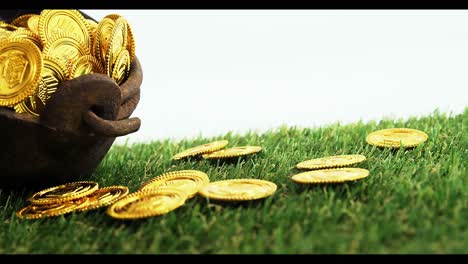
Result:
{"points": [[68, 86]]}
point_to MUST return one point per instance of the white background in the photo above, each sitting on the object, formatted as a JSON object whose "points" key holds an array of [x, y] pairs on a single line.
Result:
{"points": [[207, 72]]}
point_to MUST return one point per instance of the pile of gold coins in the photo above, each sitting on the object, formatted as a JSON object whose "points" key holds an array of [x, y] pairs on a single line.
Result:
{"points": [[158, 196], [75, 196], [38, 52]]}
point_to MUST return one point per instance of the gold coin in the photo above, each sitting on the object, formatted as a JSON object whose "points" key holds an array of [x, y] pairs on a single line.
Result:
{"points": [[92, 25], [130, 37], [22, 33], [4, 33], [238, 190], [67, 22], [64, 192], [104, 197], [85, 65], [26, 106], [22, 21], [33, 23], [233, 152], [131, 43], [102, 38], [66, 49], [121, 67], [189, 181], [34, 211], [331, 175], [8, 27], [148, 203], [330, 162], [117, 43], [198, 150], [53, 73], [20, 70], [114, 17], [396, 137]]}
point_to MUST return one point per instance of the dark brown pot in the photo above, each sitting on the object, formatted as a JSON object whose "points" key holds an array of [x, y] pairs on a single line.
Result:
{"points": [[73, 134]]}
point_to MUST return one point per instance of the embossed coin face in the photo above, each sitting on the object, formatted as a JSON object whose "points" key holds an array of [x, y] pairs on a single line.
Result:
{"points": [[121, 67], [53, 73], [330, 175], [34, 211], [189, 181], [118, 42], [130, 38], [104, 197], [205, 148], [20, 69], [86, 65], [238, 190], [119, 36], [147, 203], [64, 192], [33, 23], [330, 162], [66, 49], [102, 38], [396, 137], [68, 22], [233, 152]]}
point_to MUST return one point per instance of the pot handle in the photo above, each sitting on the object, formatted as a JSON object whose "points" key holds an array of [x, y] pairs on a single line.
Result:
{"points": [[110, 128]]}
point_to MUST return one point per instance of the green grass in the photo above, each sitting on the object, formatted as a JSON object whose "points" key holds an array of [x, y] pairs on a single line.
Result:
{"points": [[414, 201]]}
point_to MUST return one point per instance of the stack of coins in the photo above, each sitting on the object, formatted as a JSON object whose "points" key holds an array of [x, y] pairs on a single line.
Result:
{"points": [[169, 191], [70, 197], [38, 52], [330, 170], [214, 150], [160, 195]]}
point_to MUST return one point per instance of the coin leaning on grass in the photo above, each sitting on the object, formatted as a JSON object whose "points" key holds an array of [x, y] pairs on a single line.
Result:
{"points": [[147, 203]]}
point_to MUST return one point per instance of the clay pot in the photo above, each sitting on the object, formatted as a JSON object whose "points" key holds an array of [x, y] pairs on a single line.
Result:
{"points": [[73, 134]]}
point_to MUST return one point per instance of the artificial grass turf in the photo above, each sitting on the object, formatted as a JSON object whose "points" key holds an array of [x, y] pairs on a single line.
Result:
{"points": [[414, 201]]}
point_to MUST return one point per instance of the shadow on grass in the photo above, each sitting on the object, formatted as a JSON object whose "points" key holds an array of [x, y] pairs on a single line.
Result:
{"points": [[220, 161], [211, 203], [340, 187]]}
